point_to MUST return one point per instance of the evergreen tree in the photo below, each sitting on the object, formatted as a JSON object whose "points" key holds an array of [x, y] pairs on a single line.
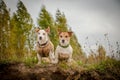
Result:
{"points": [[61, 21], [21, 24], [4, 29], [13, 35], [45, 20]]}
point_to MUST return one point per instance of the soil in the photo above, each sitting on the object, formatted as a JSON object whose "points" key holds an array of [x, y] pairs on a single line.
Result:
{"points": [[19, 71]]}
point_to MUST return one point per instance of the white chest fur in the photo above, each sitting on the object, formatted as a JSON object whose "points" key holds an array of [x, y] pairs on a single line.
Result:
{"points": [[62, 50]]}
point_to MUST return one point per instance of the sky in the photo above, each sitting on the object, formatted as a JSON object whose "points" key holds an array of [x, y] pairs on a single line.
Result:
{"points": [[87, 18]]}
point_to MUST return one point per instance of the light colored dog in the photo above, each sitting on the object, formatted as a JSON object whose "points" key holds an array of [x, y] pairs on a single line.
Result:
{"points": [[64, 50], [44, 47]]}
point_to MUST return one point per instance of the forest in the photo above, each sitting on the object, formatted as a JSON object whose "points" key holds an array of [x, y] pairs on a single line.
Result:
{"points": [[18, 57]]}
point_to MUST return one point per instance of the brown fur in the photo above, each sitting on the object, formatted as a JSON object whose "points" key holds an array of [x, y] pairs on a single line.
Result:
{"points": [[69, 33], [65, 35], [37, 29], [44, 51], [63, 56]]}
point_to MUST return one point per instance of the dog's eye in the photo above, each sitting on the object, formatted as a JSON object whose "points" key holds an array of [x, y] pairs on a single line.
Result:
{"points": [[66, 36], [60, 36], [43, 33]]}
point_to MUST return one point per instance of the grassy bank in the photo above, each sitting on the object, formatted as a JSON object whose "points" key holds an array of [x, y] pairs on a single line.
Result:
{"points": [[105, 70]]}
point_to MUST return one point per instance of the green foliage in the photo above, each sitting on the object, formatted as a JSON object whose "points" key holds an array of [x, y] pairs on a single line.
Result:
{"points": [[101, 66], [4, 30], [77, 51], [15, 33], [61, 21], [79, 63], [30, 61], [63, 65], [21, 25], [104, 65], [45, 19]]}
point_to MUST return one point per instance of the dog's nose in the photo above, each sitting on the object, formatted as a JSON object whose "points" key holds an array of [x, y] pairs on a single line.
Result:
{"points": [[63, 41], [40, 37]]}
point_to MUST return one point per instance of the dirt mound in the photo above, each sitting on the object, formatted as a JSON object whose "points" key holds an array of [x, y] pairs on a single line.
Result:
{"points": [[18, 71]]}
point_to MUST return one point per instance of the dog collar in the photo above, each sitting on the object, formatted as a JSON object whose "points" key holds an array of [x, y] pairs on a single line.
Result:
{"points": [[42, 45], [63, 46]]}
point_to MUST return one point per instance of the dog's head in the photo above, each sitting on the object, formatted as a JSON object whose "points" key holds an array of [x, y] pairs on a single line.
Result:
{"points": [[64, 38], [42, 35]]}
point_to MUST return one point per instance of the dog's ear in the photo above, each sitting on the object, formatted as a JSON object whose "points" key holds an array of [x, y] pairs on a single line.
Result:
{"points": [[59, 31], [37, 29], [48, 30], [70, 33]]}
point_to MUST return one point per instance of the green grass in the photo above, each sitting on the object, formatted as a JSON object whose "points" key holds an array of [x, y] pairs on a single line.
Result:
{"points": [[106, 64], [63, 65], [101, 66], [30, 61]]}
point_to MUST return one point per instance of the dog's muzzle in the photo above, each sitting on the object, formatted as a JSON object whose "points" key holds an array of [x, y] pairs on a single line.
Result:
{"points": [[40, 38], [63, 41]]}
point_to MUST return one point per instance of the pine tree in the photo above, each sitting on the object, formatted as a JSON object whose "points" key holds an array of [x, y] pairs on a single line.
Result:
{"points": [[13, 35], [21, 26], [61, 21], [46, 20], [4, 28]]}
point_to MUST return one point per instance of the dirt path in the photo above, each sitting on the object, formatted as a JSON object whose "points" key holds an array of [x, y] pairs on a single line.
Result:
{"points": [[18, 71]]}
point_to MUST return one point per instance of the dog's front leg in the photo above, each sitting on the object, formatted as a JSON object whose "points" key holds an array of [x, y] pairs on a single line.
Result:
{"points": [[52, 56], [70, 58], [39, 58], [56, 57]]}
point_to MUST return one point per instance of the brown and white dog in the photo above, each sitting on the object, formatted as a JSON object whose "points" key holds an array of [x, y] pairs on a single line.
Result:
{"points": [[44, 46], [64, 50]]}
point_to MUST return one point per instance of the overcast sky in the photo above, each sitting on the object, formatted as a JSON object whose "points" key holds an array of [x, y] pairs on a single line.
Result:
{"points": [[92, 18]]}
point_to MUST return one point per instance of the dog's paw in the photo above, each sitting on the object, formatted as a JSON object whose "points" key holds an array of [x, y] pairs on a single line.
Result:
{"points": [[54, 61], [39, 63], [46, 60], [71, 62]]}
